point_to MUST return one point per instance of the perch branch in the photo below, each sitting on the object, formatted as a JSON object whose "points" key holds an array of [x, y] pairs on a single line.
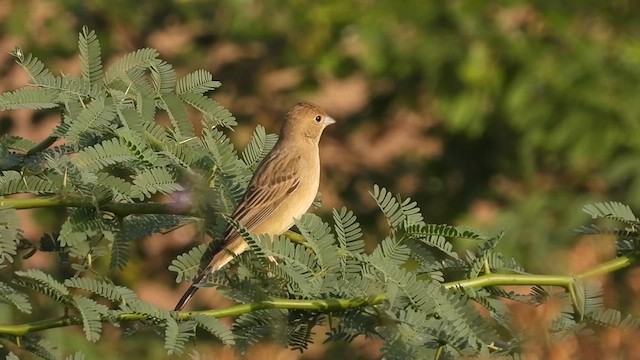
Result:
{"points": [[329, 305]]}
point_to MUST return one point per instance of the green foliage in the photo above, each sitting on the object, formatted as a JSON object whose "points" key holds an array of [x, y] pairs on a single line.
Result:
{"points": [[76, 356], [612, 210], [11, 296], [90, 56], [91, 313], [216, 328], [260, 145], [186, 265], [9, 230], [177, 334], [119, 170], [43, 283], [396, 211], [41, 347]]}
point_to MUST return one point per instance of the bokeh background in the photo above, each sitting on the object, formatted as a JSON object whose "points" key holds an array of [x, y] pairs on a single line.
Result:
{"points": [[495, 115]]}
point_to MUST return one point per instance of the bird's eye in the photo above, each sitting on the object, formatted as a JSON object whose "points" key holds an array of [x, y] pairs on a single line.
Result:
{"points": [[318, 118]]}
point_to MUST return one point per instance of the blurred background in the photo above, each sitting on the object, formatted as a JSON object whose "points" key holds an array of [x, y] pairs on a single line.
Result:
{"points": [[505, 115]]}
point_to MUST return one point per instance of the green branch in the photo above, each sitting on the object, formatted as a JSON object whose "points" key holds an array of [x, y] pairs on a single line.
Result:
{"points": [[24, 329], [121, 209], [491, 279], [322, 305], [565, 281], [43, 145], [315, 305]]}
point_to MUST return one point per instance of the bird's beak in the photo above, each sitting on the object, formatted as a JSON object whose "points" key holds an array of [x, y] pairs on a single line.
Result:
{"points": [[328, 120]]}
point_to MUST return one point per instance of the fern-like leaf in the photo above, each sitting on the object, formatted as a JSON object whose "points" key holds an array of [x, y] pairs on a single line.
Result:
{"points": [[90, 57], [348, 231], [41, 347], [177, 114], [120, 253], [29, 98], [96, 116], [9, 230], [71, 90], [216, 328], [156, 180], [252, 327], [294, 262], [319, 237], [258, 147], [9, 295], [102, 288], [612, 210], [81, 224], [225, 157], [421, 234], [163, 77], [121, 190], [144, 308], [44, 283], [391, 250], [91, 313], [186, 265], [350, 242], [177, 334], [482, 254], [16, 143], [138, 58], [212, 112], [396, 210], [612, 318], [199, 82], [32, 66], [449, 231], [78, 355], [106, 153]]}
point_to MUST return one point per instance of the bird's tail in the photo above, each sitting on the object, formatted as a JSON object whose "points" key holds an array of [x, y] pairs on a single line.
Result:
{"points": [[217, 255], [221, 257], [188, 294], [208, 259]]}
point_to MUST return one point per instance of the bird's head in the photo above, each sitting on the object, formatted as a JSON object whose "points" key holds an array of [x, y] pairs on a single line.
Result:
{"points": [[305, 121]]}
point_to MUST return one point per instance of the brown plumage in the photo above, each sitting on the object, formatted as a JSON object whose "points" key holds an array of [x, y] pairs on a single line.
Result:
{"points": [[281, 190]]}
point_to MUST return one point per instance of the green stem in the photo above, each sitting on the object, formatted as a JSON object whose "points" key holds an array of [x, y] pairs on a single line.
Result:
{"points": [[609, 267], [43, 145], [330, 305], [40, 202], [317, 305], [122, 209], [494, 279], [509, 279], [24, 329]]}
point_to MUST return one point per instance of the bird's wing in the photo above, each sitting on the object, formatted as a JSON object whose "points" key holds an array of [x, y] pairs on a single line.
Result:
{"points": [[277, 177]]}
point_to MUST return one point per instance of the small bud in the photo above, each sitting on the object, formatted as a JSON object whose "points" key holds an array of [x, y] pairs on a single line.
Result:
{"points": [[18, 54]]}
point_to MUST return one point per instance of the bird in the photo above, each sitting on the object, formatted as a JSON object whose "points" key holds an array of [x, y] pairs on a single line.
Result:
{"points": [[282, 189]]}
